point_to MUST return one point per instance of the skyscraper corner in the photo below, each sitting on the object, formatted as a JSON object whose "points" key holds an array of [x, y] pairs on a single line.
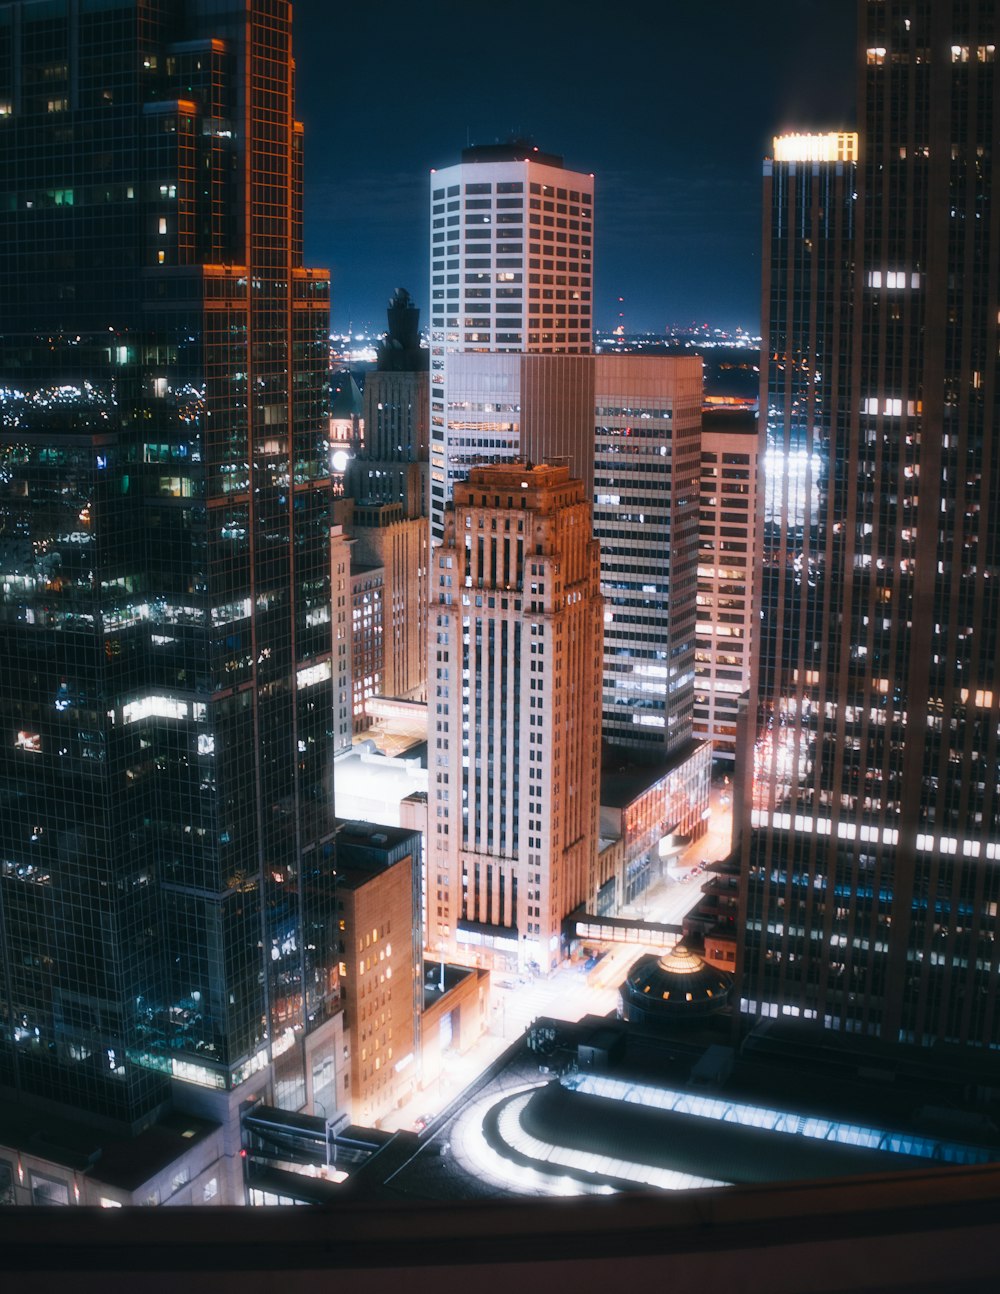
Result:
{"points": [[515, 630], [166, 889], [874, 820]]}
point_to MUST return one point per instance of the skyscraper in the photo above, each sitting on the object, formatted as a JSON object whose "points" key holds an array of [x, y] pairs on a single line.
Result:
{"points": [[393, 465], [647, 447], [628, 427], [386, 516], [511, 270], [808, 311], [515, 744], [727, 546], [165, 645], [871, 877]]}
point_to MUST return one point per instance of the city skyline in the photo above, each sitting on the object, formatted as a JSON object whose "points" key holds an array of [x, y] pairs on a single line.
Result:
{"points": [[676, 155], [346, 731]]}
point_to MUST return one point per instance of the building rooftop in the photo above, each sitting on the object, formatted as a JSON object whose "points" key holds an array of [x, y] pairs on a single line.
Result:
{"points": [[369, 786], [117, 1160], [347, 401], [363, 847], [676, 985], [830, 146], [453, 975], [510, 475], [623, 779], [565, 1111], [513, 150], [733, 420]]}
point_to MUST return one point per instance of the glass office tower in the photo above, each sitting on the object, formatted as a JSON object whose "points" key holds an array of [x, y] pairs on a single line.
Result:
{"points": [[871, 871], [166, 862]]}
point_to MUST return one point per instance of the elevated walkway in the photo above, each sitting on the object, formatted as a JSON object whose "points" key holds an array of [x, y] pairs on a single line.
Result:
{"points": [[621, 930]]}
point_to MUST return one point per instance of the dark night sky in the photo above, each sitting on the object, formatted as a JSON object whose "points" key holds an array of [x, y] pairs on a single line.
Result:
{"points": [[671, 103]]}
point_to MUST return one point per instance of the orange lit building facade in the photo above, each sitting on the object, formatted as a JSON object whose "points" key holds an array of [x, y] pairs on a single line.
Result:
{"points": [[516, 637], [378, 912]]}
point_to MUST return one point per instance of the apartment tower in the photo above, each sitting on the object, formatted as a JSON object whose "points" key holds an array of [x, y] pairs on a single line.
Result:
{"points": [[871, 868], [515, 623]]}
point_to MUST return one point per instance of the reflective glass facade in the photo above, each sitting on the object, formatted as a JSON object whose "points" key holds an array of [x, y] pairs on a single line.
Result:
{"points": [[165, 642], [871, 869]]}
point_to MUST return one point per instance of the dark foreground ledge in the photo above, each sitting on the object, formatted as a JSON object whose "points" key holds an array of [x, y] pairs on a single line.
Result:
{"points": [[902, 1231]]}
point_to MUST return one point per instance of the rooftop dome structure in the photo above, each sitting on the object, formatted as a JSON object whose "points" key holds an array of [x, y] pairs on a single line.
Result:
{"points": [[677, 986]]}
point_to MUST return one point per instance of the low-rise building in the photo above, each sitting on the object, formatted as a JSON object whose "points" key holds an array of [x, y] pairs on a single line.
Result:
{"points": [[456, 1014], [378, 912], [47, 1160]]}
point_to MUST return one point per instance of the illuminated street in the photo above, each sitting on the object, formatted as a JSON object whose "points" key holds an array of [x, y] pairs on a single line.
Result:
{"points": [[571, 992]]}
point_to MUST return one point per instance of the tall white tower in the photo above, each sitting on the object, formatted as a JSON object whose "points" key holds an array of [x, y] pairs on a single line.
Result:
{"points": [[511, 270]]}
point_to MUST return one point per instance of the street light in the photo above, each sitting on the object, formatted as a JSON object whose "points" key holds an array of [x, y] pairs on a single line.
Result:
{"points": [[326, 1138]]}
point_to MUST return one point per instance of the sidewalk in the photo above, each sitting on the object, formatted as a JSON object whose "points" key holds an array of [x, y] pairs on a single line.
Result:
{"points": [[568, 993]]}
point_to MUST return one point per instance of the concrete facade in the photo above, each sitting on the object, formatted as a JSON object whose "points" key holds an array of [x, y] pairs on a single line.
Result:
{"points": [[511, 270], [378, 911], [516, 631], [386, 540], [727, 548], [453, 1020]]}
